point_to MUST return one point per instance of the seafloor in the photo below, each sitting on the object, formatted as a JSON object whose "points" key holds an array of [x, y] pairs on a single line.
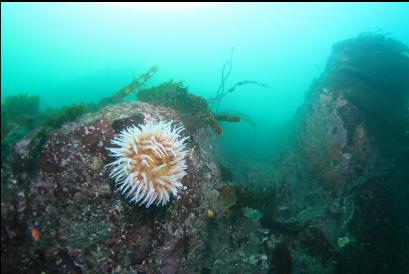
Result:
{"points": [[336, 201]]}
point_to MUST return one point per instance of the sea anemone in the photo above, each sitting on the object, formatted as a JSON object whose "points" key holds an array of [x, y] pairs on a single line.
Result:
{"points": [[150, 162]]}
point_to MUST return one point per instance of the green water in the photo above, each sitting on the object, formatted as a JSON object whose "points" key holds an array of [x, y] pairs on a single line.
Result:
{"points": [[68, 53]]}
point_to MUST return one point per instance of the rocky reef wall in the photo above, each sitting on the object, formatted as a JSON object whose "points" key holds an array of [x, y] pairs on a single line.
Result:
{"points": [[344, 185]]}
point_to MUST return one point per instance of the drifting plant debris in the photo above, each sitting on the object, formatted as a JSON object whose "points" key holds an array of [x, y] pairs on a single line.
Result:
{"points": [[222, 91], [135, 86]]}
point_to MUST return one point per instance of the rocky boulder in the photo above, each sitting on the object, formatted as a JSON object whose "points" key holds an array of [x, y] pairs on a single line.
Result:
{"points": [[63, 214]]}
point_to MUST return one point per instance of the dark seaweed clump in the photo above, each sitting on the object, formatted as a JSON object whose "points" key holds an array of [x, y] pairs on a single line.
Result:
{"points": [[20, 116], [193, 109], [18, 111], [55, 119], [174, 95]]}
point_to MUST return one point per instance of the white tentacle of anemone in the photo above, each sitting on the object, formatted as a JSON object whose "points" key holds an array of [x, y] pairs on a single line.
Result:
{"points": [[149, 162]]}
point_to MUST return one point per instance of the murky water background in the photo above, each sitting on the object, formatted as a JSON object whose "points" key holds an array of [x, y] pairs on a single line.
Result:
{"points": [[69, 53]]}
